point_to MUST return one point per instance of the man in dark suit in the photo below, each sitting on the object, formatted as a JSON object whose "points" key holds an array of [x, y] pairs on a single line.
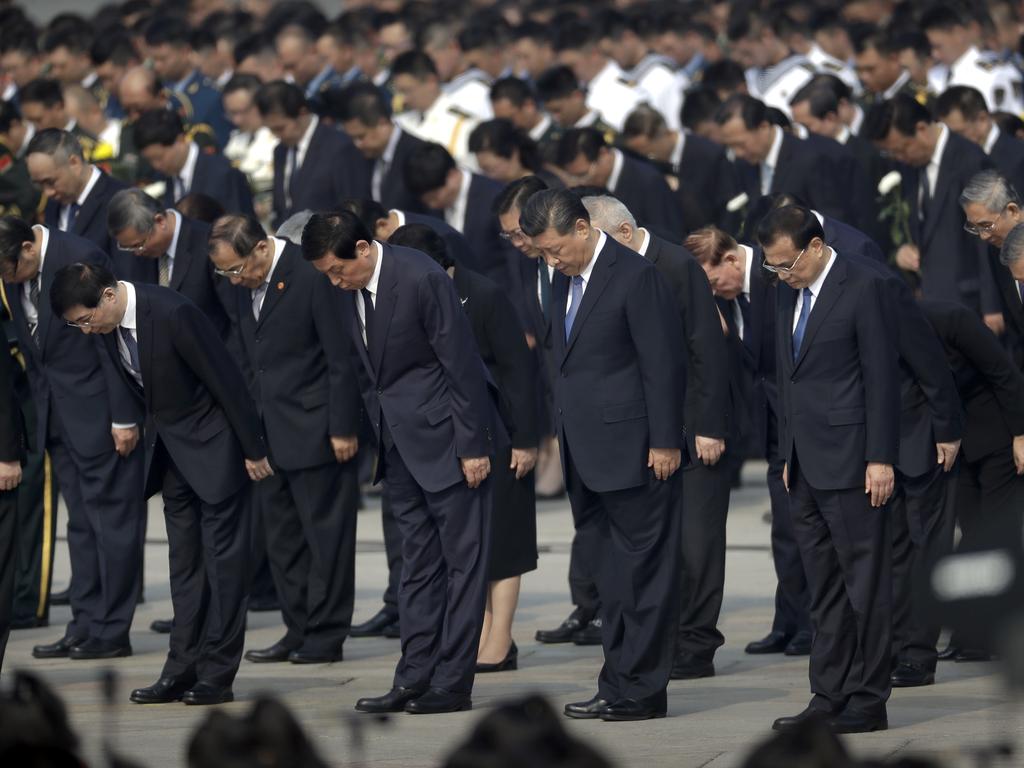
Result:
{"points": [[620, 434], [425, 392], [90, 427], [937, 164], [775, 161], [839, 403], [290, 323], [161, 139], [169, 250], [366, 117], [586, 160], [708, 414], [203, 445], [315, 165]]}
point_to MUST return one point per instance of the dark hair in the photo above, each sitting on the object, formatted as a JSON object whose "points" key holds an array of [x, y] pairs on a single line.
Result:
{"points": [[423, 238], [867, 37], [942, 17], [559, 209], [280, 98], [502, 138], [336, 233], [369, 211], [793, 221], [579, 141], [168, 30], [157, 126], [255, 44], [427, 168], [13, 232], [79, 285], [75, 34], [415, 63], [20, 36], [479, 35], [34, 724], [1008, 123], [249, 83], [196, 205], [914, 39], [516, 193], [644, 121], [821, 100], [533, 30], [513, 89], [963, 98], [700, 106], [53, 141], [42, 90], [810, 743], [113, 45], [364, 102], [9, 114], [725, 76], [573, 34], [240, 231], [901, 113], [752, 111], [557, 83]]}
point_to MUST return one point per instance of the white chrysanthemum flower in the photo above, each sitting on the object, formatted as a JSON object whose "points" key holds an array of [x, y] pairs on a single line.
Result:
{"points": [[737, 202], [889, 182]]}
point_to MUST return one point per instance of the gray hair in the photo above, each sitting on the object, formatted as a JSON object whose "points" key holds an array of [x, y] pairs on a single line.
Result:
{"points": [[291, 228], [607, 212], [990, 189], [1013, 246], [131, 208]]}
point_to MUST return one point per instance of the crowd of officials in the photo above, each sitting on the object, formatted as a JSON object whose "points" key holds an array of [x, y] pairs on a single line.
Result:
{"points": [[258, 260]]}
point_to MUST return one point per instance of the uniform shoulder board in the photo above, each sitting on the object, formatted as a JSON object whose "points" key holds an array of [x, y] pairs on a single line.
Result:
{"points": [[193, 89], [459, 113], [628, 82], [809, 67], [831, 66], [204, 137], [999, 95]]}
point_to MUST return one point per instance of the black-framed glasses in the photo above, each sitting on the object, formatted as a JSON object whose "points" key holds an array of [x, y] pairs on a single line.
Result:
{"points": [[782, 270]]}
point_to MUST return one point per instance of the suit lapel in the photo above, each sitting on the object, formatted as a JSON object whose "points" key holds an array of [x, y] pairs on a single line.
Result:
{"points": [[784, 333], [942, 185], [384, 306], [51, 215], [144, 332], [90, 207], [182, 256], [782, 163], [278, 285], [50, 266], [595, 286], [199, 175], [831, 290], [559, 302]]}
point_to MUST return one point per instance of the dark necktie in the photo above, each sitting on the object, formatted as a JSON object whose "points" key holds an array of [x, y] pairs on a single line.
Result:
{"points": [[133, 352], [367, 315], [926, 195], [574, 305], [164, 270], [72, 215], [744, 304], [801, 323], [545, 288], [33, 297]]}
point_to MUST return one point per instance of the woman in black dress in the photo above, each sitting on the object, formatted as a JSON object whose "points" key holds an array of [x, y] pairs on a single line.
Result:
{"points": [[503, 349]]}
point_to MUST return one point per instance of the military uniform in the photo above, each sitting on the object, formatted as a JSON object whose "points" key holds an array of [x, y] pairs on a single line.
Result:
{"points": [[656, 76], [1001, 84], [593, 120], [611, 97], [830, 65], [904, 85], [18, 196], [327, 79], [471, 92], [95, 151], [443, 123], [200, 105], [777, 84]]}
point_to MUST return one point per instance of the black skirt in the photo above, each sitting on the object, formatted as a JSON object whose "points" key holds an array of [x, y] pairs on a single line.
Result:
{"points": [[513, 521]]}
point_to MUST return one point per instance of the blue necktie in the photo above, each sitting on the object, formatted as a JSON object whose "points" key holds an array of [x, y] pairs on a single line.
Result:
{"points": [[72, 215], [133, 351], [574, 299], [801, 323]]}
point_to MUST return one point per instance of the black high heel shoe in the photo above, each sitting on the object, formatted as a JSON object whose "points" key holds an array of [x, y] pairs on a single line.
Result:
{"points": [[511, 661]]}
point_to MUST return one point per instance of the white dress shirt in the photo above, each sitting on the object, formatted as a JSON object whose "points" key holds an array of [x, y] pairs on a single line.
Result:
{"points": [[768, 167], [183, 183], [295, 159], [991, 139], [128, 321], [278, 245], [587, 271], [676, 158], [371, 288], [815, 289], [31, 315], [455, 214], [617, 162], [173, 249], [646, 241], [748, 266], [538, 131], [65, 210], [383, 163]]}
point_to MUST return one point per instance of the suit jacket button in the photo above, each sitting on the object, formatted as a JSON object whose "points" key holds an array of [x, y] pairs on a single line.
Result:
{"points": [[380, 391]]}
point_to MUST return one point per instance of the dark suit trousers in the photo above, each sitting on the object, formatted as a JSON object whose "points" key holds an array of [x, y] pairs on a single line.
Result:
{"points": [[846, 547], [704, 505], [441, 597], [309, 517], [922, 532], [208, 552], [392, 551], [8, 532], [582, 579], [106, 513], [632, 546]]}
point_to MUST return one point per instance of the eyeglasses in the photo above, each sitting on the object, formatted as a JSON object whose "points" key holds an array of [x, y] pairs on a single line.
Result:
{"points": [[87, 323], [233, 272], [782, 270], [516, 236], [983, 227], [138, 247]]}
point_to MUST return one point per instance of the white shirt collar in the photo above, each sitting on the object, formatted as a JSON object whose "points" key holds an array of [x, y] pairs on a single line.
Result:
{"points": [[646, 243], [991, 139], [618, 160], [304, 142], [129, 320], [969, 56], [173, 249], [748, 256], [455, 216], [772, 160], [278, 246], [538, 131], [602, 238], [188, 170], [389, 151], [89, 80], [676, 158], [893, 89], [940, 147], [44, 246], [587, 120], [844, 134], [94, 176], [817, 284], [858, 119], [400, 215], [375, 277]]}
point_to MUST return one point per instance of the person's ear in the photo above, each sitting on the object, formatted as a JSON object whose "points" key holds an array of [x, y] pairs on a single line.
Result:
{"points": [[626, 231], [582, 228]]}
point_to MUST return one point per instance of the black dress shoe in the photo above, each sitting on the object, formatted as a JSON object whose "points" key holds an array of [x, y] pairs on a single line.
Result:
{"points": [[58, 650], [275, 653], [792, 721], [586, 710], [689, 667], [438, 701], [392, 701], [29, 622], [949, 653], [972, 654], [852, 721], [590, 634], [61, 598], [208, 693], [563, 633], [99, 649], [625, 710], [510, 662], [163, 691], [303, 656], [907, 675], [162, 626], [375, 626], [773, 642], [800, 645]]}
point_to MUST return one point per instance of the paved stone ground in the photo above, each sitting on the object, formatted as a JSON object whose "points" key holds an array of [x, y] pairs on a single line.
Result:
{"points": [[712, 722]]}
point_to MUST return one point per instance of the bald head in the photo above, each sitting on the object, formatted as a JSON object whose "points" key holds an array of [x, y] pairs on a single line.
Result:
{"points": [[140, 91]]}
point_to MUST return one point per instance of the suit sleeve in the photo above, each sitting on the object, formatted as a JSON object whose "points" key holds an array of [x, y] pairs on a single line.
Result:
{"points": [[12, 427], [196, 340], [331, 324], [879, 361], [241, 193], [654, 327], [451, 338], [516, 369], [830, 199], [708, 368]]}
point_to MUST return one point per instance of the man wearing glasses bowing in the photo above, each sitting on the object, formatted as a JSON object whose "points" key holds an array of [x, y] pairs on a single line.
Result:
{"points": [[839, 406]]}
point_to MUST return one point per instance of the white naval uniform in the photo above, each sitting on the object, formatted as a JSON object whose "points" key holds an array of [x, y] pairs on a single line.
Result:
{"points": [[444, 123], [777, 84], [1000, 83]]}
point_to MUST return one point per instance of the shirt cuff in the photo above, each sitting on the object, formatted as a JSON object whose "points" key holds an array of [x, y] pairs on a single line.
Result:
{"points": [[123, 426]]}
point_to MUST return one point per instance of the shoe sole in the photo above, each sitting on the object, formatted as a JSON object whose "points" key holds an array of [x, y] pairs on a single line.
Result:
{"points": [[612, 718], [64, 655], [586, 642], [134, 700], [226, 700], [760, 652], [916, 684], [316, 661], [99, 657], [801, 652], [872, 729], [691, 675], [266, 661], [582, 715], [465, 708], [548, 641]]}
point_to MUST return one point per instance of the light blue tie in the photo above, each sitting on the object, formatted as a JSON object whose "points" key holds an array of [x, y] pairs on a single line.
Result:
{"points": [[574, 304], [801, 323]]}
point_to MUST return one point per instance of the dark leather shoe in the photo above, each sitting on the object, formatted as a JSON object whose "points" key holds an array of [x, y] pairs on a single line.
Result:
{"points": [[58, 650], [907, 675], [586, 710], [162, 626], [972, 654], [510, 662], [438, 701], [800, 645], [792, 721], [392, 701], [163, 691], [773, 642], [689, 667], [625, 710], [61, 598], [563, 632], [949, 653], [375, 626], [303, 656], [99, 649], [203, 694], [275, 653], [852, 721], [590, 634]]}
